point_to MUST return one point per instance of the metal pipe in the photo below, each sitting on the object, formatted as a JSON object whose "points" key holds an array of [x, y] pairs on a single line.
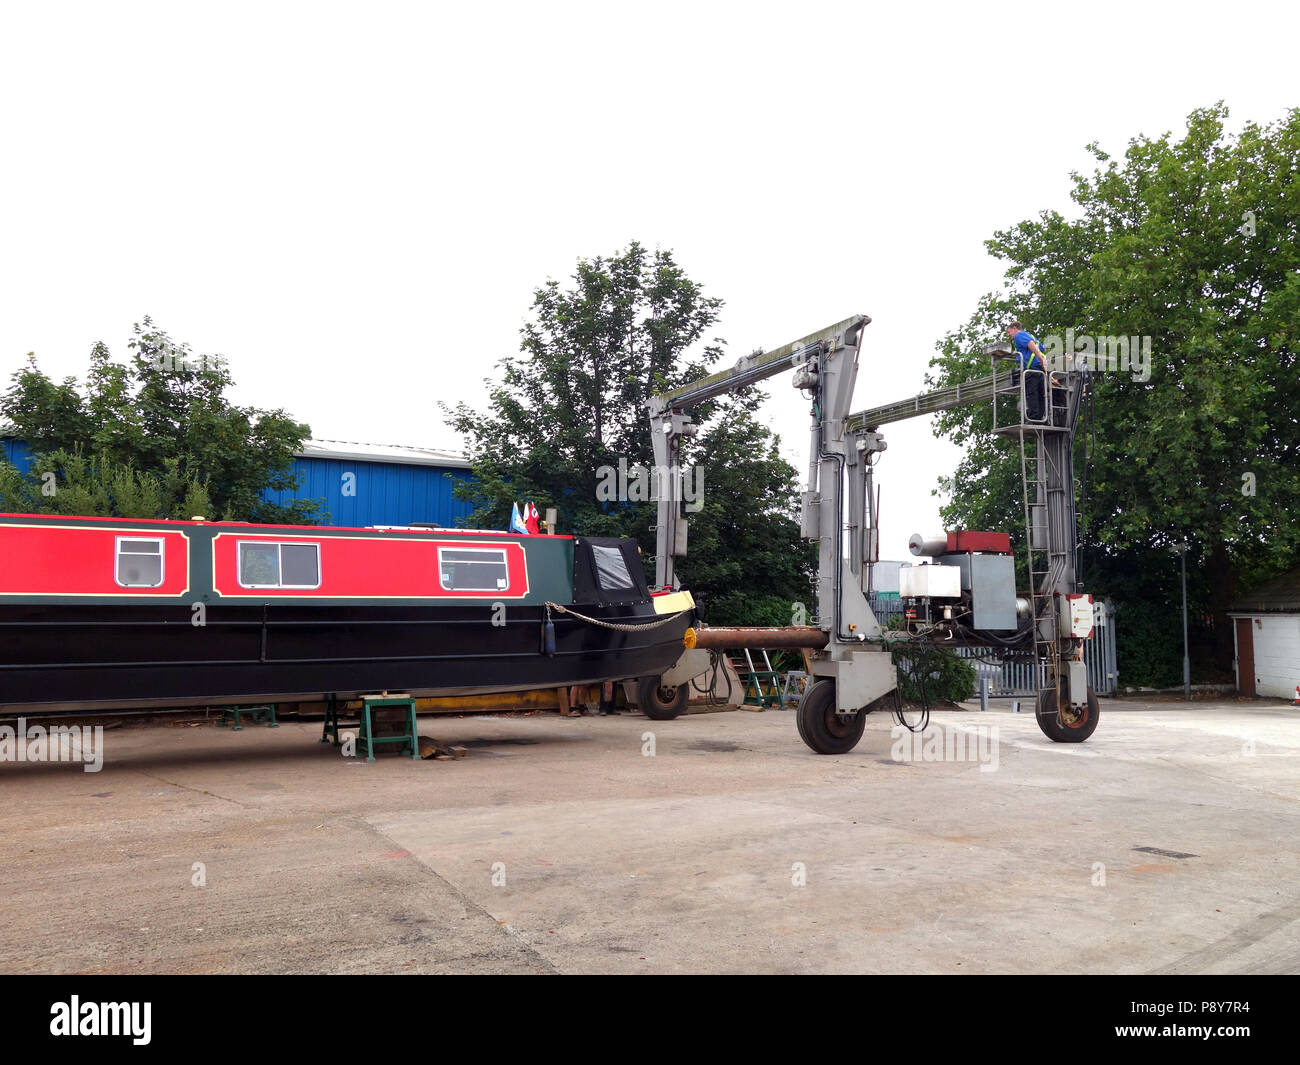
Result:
{"points": [[933, 546], [719, 637], [1187, 662]]}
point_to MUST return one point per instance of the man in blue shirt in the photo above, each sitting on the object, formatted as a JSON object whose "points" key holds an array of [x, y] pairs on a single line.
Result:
{"points": [[1029, 356]]}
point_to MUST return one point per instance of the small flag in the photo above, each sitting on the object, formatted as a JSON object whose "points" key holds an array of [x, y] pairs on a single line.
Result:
{"points": [[516, 520], [532, 520]]}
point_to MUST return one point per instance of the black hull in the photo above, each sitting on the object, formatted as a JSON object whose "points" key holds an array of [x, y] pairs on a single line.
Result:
{"points": [[91, 657]]}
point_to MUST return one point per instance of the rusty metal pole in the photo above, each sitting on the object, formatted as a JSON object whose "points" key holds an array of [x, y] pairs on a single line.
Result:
{"points": [[716, 638]]}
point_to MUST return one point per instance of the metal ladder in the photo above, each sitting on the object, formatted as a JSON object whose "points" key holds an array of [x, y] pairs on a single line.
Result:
{"points": [[770, 695], [1042, 483], [1038, 554]]}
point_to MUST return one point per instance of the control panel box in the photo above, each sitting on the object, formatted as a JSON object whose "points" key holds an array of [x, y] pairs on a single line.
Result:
{"points": [[1077, 616]]}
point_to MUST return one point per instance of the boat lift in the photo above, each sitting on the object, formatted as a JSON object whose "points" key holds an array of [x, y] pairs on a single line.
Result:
{"points": [[852, 666]]}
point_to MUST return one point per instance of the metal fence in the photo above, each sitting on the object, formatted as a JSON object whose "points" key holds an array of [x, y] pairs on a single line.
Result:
{"points": [[1026, 678], [1006, 678], [1100, 651], [884, 609]]}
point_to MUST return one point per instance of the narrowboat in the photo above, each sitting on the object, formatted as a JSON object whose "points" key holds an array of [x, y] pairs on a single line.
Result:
{"points": [[100, 613]]}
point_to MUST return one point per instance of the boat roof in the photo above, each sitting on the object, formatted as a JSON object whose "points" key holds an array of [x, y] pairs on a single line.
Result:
{"points": [[430, 530]]}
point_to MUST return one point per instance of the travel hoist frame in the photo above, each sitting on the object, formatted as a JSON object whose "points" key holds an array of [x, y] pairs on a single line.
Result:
{"points": [[854, 669]]}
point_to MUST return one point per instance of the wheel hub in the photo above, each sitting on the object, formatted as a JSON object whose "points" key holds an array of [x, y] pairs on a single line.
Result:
{"points": [[1072, 717], [839, 724]]}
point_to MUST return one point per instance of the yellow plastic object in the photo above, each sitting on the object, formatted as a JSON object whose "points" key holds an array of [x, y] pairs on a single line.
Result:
{"points": [[673, 602]]}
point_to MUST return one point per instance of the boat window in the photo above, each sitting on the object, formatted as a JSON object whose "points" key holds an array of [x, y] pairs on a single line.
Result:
{"points": [[299, 565], [611, 568], [269, 565], [139, 562], [473, 569]]}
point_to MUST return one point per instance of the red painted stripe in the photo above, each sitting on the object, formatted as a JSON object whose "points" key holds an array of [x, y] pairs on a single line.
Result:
{"points": [[47, 560]]}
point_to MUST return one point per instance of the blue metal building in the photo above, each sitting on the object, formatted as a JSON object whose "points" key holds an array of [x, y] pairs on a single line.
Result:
{"points": [[360, 484], [379, 484], [14, 451]]}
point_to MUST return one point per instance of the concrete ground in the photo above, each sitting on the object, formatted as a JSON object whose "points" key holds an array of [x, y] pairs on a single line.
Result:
{"points": [[1167, 843]]}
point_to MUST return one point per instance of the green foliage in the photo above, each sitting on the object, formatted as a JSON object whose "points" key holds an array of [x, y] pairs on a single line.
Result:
{"points": [[102, 486], [573, 403], [1150, 643], [739, 608], [155, 438], [48, 415], [930, 674], [1160, 248]]}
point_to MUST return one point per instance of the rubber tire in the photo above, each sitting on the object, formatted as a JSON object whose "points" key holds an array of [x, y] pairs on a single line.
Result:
{"points": [[1055, 729], [649, 697], [820, 727]]}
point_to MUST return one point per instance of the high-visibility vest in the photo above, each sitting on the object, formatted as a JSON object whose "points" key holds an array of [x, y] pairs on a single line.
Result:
{"points": [[1029, 364]]}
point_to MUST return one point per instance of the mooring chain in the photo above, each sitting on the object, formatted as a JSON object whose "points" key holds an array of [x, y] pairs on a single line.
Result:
{"points": [[618, 626]]}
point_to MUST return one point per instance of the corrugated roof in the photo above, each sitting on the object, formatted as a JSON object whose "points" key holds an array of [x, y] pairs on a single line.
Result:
{"points": [[355, 451], [1280, 595]]}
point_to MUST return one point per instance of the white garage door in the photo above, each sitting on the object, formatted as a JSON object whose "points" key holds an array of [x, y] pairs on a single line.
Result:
{"points": [[1277, 656]]}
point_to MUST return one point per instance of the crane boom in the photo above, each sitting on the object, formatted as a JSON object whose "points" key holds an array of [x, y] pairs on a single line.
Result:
{"points": [[980, 390], [750, 369]]}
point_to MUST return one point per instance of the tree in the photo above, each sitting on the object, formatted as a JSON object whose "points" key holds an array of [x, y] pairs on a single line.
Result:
{"points": [[569, 413], [572, 403], [1192, 245], [155, 438]]}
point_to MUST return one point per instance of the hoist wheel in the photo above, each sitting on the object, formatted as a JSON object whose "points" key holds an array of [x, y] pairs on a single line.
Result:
{"points": [[825, 731], [1070, 726], [661, 702]]}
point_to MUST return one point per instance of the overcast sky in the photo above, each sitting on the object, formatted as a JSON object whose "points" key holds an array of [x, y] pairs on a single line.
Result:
{"points": [[354, 201]]}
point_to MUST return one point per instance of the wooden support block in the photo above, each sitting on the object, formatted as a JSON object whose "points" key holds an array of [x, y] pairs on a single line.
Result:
{"points": [[431, 748]]}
